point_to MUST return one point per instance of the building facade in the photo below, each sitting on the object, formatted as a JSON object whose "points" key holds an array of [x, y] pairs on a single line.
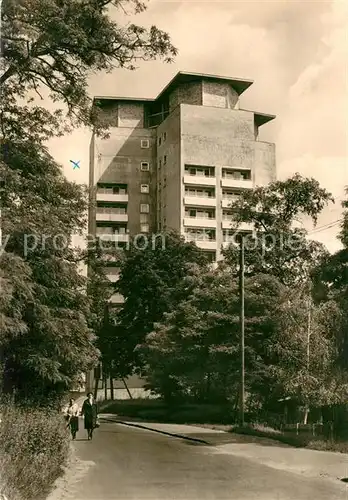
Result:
{"points": [[176, 162]]}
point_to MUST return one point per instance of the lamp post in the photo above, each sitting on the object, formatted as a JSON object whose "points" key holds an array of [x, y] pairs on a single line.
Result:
{"points": [[241, 320], [2, 187]]}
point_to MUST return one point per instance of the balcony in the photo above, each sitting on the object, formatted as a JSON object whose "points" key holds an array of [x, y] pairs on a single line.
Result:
{"points": [[244, 226], [111, 217], [199, 180], [117, 198], [199, 222], [200, 201], [206, 244], [229, 182], [118, 238], [113, 277], [116, 298], [227, 202]]}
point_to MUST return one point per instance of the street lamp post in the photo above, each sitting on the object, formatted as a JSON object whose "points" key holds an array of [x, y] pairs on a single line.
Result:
{"points": [[242, 346], [2, 187]]}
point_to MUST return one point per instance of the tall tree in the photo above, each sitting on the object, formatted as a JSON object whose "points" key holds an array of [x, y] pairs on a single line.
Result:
{"points": [[54, 46], [47, 343], [194, 351], [331, 284], [276, 246], [150, 281], [51, 47]]}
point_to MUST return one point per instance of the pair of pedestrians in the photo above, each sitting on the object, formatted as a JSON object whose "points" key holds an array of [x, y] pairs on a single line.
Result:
{"points": [[89, 412]]}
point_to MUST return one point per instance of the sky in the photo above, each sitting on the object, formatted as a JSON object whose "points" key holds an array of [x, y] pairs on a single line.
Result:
{"points": [[296, 53]]}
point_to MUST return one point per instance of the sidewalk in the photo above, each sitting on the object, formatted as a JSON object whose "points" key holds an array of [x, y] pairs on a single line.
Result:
{"points": [[310, 463]]}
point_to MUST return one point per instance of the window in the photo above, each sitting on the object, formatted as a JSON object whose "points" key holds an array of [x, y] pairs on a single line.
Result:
{"points": [[164, 181], [144, 208], [238, 175], [145, 166], [226, 215], [200, 234], [120, 230], [159, 141], [165, 160], [211, 256], [160, 164], [145, 143], [144, 188], [164, 136], [144, 228], [144, 218]]}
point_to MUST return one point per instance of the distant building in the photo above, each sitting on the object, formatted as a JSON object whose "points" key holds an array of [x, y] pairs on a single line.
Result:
{"points": [[177, 162]]}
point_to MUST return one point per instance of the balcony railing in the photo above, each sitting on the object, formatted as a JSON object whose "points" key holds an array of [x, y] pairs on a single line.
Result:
{"points": [[117, 198], [200, 201], [111, 217], [199, 180], [236, 183], [116, 298], [199, 222], [117, 237]]}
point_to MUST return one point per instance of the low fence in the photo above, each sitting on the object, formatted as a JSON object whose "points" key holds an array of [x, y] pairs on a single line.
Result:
{"points": [[316, 430]]}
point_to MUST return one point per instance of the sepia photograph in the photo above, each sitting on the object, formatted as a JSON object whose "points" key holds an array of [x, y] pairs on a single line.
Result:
{"points": [[173, 250]]}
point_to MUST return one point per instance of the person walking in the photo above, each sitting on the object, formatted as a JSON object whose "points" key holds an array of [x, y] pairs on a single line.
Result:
{"points": [[72, 417], [90, 413]]}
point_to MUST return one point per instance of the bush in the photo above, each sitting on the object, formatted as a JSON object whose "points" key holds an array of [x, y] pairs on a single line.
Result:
{"points": [[34, 447]]}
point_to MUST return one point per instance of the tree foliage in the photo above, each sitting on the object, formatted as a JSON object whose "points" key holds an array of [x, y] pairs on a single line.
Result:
{"points": [[54, 46], [48, 310], [150, 281], [331, 284], [277, 247], [195, 350], [46, 341]]}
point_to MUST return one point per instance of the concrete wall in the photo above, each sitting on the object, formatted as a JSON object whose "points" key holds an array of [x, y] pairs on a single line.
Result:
{"points": [[214, 136], [264, 163], [131, 115], [186, 93], [119, 161], [219, 94], [118, 158], [171, 192]]}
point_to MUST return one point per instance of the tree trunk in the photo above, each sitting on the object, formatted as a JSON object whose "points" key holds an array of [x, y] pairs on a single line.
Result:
{"points": [[96, 386], [112, 396], [96, 382], [305, 418], [126, 386], [105, 383]]}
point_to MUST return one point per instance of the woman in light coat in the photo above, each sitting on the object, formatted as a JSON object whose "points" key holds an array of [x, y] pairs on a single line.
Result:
{"points": [[72, 417]]}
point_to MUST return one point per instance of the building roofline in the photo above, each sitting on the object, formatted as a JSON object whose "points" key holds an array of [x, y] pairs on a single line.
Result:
{"points": [[260, 118], [121, 98], [239, 84]]}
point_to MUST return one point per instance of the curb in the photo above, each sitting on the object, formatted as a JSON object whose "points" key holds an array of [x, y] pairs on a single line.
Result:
{"points": [[172, 434]]}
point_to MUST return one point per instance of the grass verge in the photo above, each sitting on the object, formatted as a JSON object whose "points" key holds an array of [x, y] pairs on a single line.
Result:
{"points": [[214, 417], [34, 447], [292, 439]]}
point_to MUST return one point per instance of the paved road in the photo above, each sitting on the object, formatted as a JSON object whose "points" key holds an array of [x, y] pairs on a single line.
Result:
{"points": [[125, 463]]}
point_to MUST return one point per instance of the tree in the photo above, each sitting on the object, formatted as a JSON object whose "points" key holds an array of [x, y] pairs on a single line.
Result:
{"points": [[56, 45], [47, 342], [150, 281], [303, 353], [52, 46], [276, 247], [331, 284], [194, 351]]}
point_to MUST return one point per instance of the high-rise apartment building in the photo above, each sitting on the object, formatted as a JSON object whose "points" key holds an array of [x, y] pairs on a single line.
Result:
{"points": [[177, 162]]}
